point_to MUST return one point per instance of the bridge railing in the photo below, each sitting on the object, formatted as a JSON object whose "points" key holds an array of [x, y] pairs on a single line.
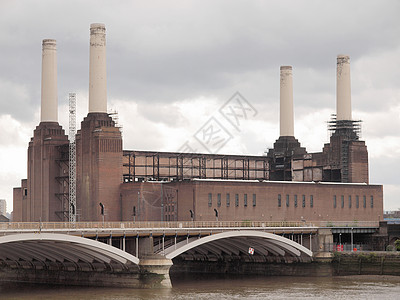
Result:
{"points": [[347, 224], [126, 225], [175, 225]]}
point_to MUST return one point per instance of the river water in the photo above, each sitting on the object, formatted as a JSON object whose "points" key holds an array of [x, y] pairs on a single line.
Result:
{"points": [[215, 287]]}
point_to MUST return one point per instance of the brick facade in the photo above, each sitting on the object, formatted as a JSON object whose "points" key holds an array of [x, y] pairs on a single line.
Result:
{"points": [[39, 199], [99, 168], [265, 201]]}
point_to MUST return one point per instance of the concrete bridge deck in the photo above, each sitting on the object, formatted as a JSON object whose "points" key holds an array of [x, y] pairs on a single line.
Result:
{"points": [[168, 227], [140, 248]]}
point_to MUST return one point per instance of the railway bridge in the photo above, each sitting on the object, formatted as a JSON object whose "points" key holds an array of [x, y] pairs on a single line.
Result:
{"points": [[140, 254]]}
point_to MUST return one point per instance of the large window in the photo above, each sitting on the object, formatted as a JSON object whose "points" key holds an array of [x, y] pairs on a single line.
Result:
{"points": [[372, 201], [279, 200], [245, 200], [303, 204], [287, 200], [334, 201], [311, 201], [357, 202], [342, 200], [219, 200], [209, 199], [295, 200], [364, 201], [236, 200], [254, 200], [228, 200], [349, 201]]}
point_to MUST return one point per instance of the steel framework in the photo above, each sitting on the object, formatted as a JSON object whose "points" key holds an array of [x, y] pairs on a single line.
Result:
{"points": [[166, 166]]}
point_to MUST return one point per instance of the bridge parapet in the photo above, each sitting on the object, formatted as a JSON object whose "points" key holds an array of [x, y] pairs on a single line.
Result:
{"points": [[54, 226]]}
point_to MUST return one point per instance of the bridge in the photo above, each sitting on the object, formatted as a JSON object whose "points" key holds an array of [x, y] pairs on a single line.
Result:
{"points": [[133, 252]]}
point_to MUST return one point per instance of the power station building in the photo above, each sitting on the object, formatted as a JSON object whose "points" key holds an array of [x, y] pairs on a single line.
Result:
{"points": [[286, 184]]}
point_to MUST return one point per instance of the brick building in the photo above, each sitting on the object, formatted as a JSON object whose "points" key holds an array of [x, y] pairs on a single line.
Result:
{"points": [[287, 184]]}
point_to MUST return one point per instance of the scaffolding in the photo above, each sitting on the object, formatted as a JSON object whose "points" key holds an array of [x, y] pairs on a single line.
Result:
{"points": [[348, 131], [351, 129], [72, 157], [63, 182], [113, 114]]}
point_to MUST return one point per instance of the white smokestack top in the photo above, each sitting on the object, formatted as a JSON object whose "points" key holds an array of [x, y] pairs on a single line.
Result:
{"points": [[286, 102], [343, 90], [49, 101], [97, 69]]}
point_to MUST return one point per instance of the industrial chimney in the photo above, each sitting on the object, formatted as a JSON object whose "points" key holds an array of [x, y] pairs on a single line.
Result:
{"points": [[49, 100], [286, 147], [343, 90], [97, 69], [286, 102]]}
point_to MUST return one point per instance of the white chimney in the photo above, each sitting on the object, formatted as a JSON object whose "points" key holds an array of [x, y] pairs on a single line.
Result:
{"points": [[286, 102], [97, 69], [49, 107], [343, 90]]}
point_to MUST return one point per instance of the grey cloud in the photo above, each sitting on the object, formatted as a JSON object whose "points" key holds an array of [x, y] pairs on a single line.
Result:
{"points": [[167, 114], [382, 171], [194, 50]]}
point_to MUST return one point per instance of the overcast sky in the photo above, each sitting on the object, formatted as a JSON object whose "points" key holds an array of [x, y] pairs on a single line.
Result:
{"points": [[171, 65]]}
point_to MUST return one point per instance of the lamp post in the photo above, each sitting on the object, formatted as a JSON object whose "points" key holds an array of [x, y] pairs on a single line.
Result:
{"points": [[216, 214], [352, 246], [102, 211], [138, 200], [191, 214], [162, 203]]}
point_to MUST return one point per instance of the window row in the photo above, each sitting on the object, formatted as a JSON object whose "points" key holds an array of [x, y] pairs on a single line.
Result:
{"points": [[342, 201], [228, 200], [357, 201], [295, 201]]}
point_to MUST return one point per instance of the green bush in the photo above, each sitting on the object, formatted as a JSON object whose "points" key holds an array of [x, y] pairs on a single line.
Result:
{"points": [[246, 223], [397, 245], [372, 257], [390, 248], [336, 256]]}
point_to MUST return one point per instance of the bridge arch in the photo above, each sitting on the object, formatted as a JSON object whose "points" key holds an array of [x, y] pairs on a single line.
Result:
{"points": [[44, 250], [234, 242]]}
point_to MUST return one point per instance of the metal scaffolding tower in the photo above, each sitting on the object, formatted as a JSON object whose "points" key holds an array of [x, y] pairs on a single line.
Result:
{"points": [[72, 157]]}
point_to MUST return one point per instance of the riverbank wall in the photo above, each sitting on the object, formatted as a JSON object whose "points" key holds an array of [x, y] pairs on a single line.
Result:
{"points": [[332, 264], [366, 263]]}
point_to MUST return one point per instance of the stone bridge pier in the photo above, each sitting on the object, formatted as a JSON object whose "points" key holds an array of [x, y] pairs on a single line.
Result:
{"points": [[154, 268]]}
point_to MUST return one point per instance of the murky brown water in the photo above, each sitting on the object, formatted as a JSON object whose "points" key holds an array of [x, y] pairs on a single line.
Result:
{"points": [[213, 287]]}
